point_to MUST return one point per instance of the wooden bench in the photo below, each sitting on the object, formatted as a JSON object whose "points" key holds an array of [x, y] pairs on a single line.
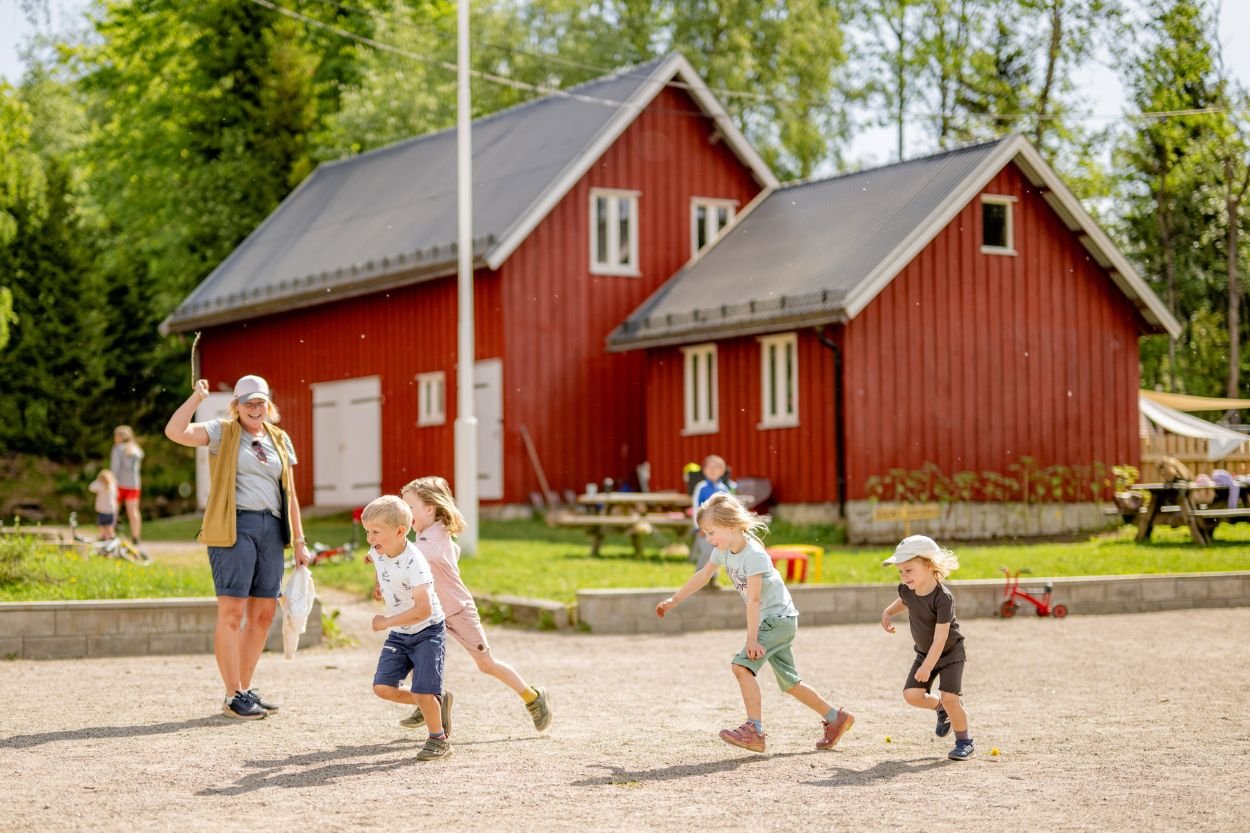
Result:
{"points": [[636, 526], [1236, 512]]}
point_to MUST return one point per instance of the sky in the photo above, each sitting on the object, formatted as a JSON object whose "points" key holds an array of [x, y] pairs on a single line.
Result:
{"points": [[872, 145]]}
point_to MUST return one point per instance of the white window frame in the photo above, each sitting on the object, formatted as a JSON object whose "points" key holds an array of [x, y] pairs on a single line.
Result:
{"points": [[1009, 202], [779, 405], [700, 389], [432, 398], [614, 266], [709, 227]]}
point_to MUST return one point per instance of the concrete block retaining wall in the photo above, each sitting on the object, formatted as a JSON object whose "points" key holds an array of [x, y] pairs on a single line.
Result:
{"points": [[633, 611], [975, 521], [122, 628]]}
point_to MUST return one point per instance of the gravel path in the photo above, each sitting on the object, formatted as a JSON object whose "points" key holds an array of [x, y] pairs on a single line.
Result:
{"points": [[1104, 723]]}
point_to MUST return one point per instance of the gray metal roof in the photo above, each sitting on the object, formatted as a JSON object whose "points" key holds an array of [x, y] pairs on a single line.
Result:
{"points": [[389, 216], [800, 253]]}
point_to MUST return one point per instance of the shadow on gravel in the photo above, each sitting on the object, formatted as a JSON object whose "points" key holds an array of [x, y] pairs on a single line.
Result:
{"points": [[881, 771], [621, 776], [96, 732], [333, 768]]}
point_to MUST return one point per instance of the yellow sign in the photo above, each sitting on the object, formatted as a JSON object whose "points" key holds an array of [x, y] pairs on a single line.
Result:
{"points": [[907, 512]]}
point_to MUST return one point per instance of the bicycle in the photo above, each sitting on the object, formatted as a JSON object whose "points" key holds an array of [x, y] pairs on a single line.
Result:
{"points": [[320, 553], [1012, 592], [115, 547]]}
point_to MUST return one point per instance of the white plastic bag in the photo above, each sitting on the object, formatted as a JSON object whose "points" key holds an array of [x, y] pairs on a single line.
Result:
{"points": [[297, 603]]}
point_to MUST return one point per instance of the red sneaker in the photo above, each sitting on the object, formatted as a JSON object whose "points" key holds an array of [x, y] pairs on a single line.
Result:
{"points": [[835, 730], [744, 736]]}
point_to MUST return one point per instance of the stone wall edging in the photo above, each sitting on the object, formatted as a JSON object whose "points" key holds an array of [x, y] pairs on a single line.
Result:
{"points": [[979, 521], [122, 628], [633, 611]]}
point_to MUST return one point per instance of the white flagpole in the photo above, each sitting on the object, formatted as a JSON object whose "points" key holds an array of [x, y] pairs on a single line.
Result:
{"points": [[466, 419]]}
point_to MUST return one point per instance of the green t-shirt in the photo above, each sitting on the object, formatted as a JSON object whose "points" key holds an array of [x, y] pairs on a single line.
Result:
{"points": [[754, 561]]}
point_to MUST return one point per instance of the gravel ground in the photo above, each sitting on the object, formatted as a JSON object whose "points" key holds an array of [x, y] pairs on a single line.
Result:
{"points": [[1104, 723]]}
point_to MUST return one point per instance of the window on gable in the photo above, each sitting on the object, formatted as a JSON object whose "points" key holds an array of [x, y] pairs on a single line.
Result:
{"points": [[613, 232], [708, 217], [779, 381], [431, 398], [997, 233], [700, 389]]}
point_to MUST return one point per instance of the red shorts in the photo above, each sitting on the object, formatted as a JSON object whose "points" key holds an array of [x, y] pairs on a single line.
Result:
{"points": [[124, 494]]}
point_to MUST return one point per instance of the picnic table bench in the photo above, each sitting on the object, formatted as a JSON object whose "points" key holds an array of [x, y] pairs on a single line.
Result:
{"points": [[637, 525], [1172, 503]]}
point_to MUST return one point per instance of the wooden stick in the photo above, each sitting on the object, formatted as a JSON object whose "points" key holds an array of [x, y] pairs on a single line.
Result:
{"points": [[548, 495], [195, 359]]}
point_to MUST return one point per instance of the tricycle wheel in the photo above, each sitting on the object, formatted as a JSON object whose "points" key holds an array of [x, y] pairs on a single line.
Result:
{"points": [[1059, 611], [1008, 609]]}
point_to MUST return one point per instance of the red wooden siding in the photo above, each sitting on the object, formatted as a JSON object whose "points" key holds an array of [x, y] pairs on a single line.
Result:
{"points": [[966, 360], [543, 313], [395, 335], [800, 461], [972, 361], [583, 406]]}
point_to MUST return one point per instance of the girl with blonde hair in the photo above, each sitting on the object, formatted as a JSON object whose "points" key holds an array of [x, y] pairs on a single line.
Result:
{"points": [[772, 620], [435, 519]]}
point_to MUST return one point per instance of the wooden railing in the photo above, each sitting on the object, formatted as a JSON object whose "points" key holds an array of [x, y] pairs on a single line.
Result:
{"points": [[1190, 451]]}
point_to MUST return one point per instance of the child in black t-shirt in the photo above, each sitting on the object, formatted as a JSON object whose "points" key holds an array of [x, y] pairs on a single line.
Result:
{"points": [[922, 567]]}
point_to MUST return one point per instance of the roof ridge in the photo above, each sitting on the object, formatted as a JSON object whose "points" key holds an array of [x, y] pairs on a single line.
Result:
{"points": [[798, 183], [413, 140]]}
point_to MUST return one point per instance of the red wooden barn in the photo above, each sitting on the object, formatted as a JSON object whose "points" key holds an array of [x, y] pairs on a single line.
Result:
{"points": [[961, 310], [344, 298]]}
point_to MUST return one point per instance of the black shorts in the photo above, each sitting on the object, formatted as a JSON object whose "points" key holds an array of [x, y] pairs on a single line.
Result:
{"points": [[950, 670]]}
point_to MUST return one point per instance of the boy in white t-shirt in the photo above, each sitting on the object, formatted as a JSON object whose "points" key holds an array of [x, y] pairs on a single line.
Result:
{"points": [[414, 619]]}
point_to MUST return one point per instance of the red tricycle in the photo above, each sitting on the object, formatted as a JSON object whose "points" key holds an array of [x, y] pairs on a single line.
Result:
{"points": [[1013, 593]]}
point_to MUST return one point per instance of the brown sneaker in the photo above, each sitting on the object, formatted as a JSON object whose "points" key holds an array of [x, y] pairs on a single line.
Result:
{"points": [[434, 749], [835, 730], [744, 736]]}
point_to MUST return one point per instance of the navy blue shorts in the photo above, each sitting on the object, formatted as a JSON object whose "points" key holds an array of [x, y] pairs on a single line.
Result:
{"points": [[253, 566], [421, 653], [105, 518]]}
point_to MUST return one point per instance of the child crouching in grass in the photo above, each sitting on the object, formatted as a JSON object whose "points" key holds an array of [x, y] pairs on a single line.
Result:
{"points": [[922, 567]]}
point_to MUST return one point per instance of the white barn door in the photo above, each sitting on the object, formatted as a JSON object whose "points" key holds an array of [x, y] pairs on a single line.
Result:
{"points": [[347, 442], [488, 406], [216, 406]]}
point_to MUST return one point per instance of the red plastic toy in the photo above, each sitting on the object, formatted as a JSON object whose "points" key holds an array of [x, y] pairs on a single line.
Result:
{"points": [[1012, 594]]}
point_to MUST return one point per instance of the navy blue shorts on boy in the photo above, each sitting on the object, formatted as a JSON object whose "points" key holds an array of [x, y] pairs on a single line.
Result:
{"points": [[105, 518], [421, 653], [252, 568]]}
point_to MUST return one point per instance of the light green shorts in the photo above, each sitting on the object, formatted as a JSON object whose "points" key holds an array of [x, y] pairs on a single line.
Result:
{"points": [[777, 636]]}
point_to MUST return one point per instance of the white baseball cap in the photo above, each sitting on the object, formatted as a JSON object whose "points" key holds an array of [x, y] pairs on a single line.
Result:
{"points": [[250, 388], [914, 546]]}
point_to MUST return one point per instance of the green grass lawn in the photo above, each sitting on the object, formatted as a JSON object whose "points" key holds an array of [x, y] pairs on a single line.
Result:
{"points": [[527, 558], [48, 574]]}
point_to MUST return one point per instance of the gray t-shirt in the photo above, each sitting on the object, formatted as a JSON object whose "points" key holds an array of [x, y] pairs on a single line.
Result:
{"points": [[924, 613], [124, 461], [754, 561], [256, 485]]}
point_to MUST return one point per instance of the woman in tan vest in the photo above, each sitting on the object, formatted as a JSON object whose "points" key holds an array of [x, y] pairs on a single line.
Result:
{"points": [[252, 515]]}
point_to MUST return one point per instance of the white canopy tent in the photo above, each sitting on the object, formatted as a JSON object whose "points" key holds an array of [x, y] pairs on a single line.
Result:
{"points": [[1221, 441]]}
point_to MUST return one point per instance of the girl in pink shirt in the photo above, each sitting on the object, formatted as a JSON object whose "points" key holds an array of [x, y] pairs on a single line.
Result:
{"points": [[435, 519]]}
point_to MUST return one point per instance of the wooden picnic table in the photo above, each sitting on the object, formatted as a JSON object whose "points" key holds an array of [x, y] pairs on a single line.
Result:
{"points": [[637, 514], [1171, 503]]}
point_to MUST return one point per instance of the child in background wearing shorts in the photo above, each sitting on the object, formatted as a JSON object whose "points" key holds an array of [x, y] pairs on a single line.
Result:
{"points": [[772, 620], [105, 488], [435, 519], [713, 470], [922, 567], [414, 622]]}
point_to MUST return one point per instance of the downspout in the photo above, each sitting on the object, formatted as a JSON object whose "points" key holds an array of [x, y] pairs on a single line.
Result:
{"points": [[839, 425]]}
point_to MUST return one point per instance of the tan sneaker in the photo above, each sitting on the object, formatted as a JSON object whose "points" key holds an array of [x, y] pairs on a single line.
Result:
{"points": [[434, 749], [745, 737], [835, 730], [413, 721], [540, 709]]}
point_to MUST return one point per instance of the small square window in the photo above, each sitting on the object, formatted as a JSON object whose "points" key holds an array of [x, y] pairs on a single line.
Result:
{"points": [[708, 218], [996, 225], [431, 398]]}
